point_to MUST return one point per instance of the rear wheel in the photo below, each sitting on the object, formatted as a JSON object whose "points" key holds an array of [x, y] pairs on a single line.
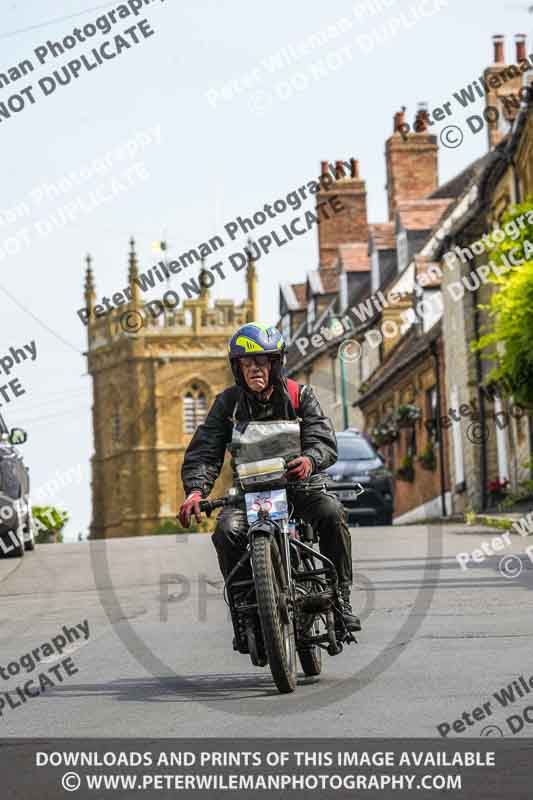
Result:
{"points": [[276, 617], [311, 656]]}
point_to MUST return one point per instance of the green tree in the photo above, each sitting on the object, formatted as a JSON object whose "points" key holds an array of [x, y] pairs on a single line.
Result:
{"points": [[511, 308], [48, 520]]}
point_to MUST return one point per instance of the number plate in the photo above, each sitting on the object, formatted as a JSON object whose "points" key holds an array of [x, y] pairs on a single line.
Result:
{"points": [[347, 494], [273, 501]]}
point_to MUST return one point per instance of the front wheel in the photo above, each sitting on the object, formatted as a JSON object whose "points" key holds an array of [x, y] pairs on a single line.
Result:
{"points": [[276, 617]]}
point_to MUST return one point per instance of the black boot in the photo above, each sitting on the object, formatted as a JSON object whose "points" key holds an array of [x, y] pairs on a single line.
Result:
{"points": [[350, 620]]}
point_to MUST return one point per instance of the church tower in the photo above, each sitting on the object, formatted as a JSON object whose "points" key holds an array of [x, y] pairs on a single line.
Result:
{"points": [[154, 378]]}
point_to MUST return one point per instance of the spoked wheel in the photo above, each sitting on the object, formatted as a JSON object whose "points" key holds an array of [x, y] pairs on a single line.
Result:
{"points": [[277, 621], [310, 655]]}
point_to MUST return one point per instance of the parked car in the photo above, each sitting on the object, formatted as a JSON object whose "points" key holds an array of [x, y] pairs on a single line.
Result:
{"points": [[17, 529], [358, 462]]}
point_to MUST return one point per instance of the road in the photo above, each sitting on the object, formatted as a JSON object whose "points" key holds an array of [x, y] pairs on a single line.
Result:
{"points": [[437, 641]]}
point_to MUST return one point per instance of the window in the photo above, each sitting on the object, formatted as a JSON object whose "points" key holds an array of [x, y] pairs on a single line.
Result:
{"points": [[310, 315], [343, 291], [286, 327], [194, 410], [401, 245], [354, 448], [432, 412]]}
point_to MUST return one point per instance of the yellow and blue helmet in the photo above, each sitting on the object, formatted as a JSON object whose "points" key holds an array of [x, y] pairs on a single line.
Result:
{"points": [[257, 338]]}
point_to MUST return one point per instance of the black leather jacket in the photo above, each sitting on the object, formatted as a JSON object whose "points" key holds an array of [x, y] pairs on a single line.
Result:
{"points": [[204, 456]]}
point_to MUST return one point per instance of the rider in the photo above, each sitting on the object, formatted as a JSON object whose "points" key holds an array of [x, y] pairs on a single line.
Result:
{"points": [[257, 355]]}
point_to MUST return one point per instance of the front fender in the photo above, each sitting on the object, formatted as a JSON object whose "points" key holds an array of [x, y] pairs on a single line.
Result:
{"points": [[263, 527]]}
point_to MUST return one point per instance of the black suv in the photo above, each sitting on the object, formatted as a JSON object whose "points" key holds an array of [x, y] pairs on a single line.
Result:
{"points": [[16, 523], [358, 462]]}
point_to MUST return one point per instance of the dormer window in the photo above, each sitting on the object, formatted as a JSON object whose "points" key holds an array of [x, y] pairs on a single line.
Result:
{"points": [[310, 314], [402, 250], [286, 327]]}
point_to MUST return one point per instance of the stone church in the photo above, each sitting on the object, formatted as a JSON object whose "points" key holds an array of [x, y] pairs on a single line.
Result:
{"points": [[151, 389]]}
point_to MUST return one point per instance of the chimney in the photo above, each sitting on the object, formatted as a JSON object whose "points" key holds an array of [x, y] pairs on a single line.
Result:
{"points": [[412, 161], [520, 43], [502, 84], [348, 225], [498, 41]]}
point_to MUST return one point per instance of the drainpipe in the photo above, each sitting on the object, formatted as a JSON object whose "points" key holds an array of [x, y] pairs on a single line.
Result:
{"points": [[481, 401], [435, 353], [344, 394]]}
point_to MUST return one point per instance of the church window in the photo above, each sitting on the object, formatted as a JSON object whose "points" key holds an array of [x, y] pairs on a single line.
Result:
{"points": [[194, 409]]}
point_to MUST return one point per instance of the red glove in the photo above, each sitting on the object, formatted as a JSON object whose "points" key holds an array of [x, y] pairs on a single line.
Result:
{"points": [[191, 505], [300, 468]]}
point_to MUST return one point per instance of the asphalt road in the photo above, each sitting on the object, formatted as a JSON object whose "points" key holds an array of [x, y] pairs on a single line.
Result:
{"points": [[437, 641]]}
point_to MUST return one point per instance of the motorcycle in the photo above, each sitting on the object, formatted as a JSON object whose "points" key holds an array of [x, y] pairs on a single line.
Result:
{"points": [[290, 605]]}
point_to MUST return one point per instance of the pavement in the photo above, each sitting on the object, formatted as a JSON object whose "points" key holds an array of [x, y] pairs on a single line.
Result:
{"points": [[438, 641]]}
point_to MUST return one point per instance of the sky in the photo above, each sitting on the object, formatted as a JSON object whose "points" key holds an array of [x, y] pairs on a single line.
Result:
{"points": [[214, 111]]}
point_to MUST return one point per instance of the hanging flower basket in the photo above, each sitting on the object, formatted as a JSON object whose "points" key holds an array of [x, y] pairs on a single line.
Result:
{"points": [[406, 470], [427, 459], [406, 415], [385, 432]]}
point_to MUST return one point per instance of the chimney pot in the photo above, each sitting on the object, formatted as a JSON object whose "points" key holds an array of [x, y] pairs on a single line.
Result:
{"points": [[399, 120], [324, 167], [520, 42], [422, 118], [354, 168], [499, 57], [339, 170]]}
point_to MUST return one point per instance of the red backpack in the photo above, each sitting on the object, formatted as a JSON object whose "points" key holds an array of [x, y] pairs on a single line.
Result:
{"points": [[294, 393]]}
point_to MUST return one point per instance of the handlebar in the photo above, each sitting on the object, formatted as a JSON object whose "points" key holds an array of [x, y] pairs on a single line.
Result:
{"points": [[208, 506]]}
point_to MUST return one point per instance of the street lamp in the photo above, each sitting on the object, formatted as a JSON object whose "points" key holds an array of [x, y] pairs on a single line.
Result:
{"points": [[334, 325]]}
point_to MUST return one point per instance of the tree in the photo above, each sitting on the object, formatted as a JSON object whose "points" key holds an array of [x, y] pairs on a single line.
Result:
{"points": [[49, 520], [509, 339]]}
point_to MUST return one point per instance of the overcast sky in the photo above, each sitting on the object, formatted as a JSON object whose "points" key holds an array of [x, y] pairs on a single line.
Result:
{"points": [[199, 157]]}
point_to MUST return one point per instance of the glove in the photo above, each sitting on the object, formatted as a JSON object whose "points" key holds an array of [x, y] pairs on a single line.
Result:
{"points": [[190, 505], [300, 468]]}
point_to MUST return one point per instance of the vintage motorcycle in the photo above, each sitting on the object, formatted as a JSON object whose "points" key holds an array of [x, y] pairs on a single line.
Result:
{"points": [[289, 603]]}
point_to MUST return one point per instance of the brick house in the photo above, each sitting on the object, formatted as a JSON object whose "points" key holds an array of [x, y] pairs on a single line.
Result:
{"points": [[405, 340]]}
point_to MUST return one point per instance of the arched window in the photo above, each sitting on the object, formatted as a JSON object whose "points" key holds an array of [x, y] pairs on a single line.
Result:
{"points": [[194, 409]]}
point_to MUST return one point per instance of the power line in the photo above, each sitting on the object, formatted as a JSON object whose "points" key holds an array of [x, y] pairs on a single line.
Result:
{"points": [[53, 21], [39, 321]]}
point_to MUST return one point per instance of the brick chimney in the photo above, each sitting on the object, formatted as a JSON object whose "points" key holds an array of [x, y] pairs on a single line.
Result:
{"points": [[503, 83], [411, 159], [350, 225]]}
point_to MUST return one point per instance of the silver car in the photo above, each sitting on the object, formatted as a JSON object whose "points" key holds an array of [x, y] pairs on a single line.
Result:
{"points": [[17, 529]]}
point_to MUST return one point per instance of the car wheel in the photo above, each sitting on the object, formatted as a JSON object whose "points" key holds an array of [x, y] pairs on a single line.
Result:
{"points": [[384, 519], [29, 544], [13, 543]]}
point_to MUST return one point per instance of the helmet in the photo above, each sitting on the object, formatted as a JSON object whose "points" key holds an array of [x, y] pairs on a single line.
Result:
{"points": [[257, 338]]}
